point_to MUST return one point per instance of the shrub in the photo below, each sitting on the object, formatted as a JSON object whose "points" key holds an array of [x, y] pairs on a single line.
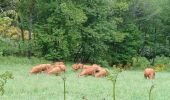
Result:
{"points": [[113, 75], [140, 62], [3, 79], [159, 67], [103, 63], [162, 63]]}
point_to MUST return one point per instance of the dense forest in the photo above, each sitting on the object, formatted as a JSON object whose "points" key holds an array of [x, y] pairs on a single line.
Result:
{"points": [[107, 32]]}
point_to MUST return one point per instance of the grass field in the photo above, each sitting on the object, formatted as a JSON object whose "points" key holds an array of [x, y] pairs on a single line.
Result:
{"points": [[130, 85]]}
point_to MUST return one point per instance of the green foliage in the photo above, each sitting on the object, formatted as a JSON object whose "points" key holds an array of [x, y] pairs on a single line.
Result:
{"points": [[113, 78], [151, 89], [103, 63], [141, 62], [162, 63], [107, 32], [72, 14], [113, 74], [162, 60], [3, 80], [11, 60]]}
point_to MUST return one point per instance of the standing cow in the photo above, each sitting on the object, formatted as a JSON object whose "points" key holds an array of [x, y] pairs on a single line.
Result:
{"points": [[149, 73]]}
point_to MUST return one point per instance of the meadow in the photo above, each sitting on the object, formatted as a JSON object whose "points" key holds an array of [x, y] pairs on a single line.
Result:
{"points": [[131, 85]]}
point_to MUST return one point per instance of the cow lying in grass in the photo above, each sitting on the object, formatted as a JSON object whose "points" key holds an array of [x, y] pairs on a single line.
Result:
{"points": [[149, 73], [75, 67], [78, 66], [88, 71], [94, 70], [57, 68], [39, 68], [101, 73], [60, 65]]}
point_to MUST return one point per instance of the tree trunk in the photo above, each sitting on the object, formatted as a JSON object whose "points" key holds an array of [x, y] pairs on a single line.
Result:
{"points": [[169, 44], [30, 32], [21, 27], [154, 53], [30, 25]]}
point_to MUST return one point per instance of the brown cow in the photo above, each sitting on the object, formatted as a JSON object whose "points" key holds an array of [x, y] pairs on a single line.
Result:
{"points": [[98, 67], [101, 73], [40, 68], [89, 70], [60, 65], [149, 73], [55, 70], [86, 66], [75, 67]]}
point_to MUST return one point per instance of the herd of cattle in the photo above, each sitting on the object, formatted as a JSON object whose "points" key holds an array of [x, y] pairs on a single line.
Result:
{"points": [[59, 67], [94, 70]]}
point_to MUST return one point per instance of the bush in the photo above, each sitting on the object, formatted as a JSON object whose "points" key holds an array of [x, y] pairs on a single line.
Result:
{"points": [[3, 80], [103, 63], [159, 67], [140, 62], [162, 63]]}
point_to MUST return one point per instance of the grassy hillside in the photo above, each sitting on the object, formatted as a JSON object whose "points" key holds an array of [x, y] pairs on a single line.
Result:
{"points": [[131, 85]]}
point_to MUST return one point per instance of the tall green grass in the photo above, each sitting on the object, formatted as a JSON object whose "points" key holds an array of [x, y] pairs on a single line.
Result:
{"points": [[130, 85], [10, 60]]}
